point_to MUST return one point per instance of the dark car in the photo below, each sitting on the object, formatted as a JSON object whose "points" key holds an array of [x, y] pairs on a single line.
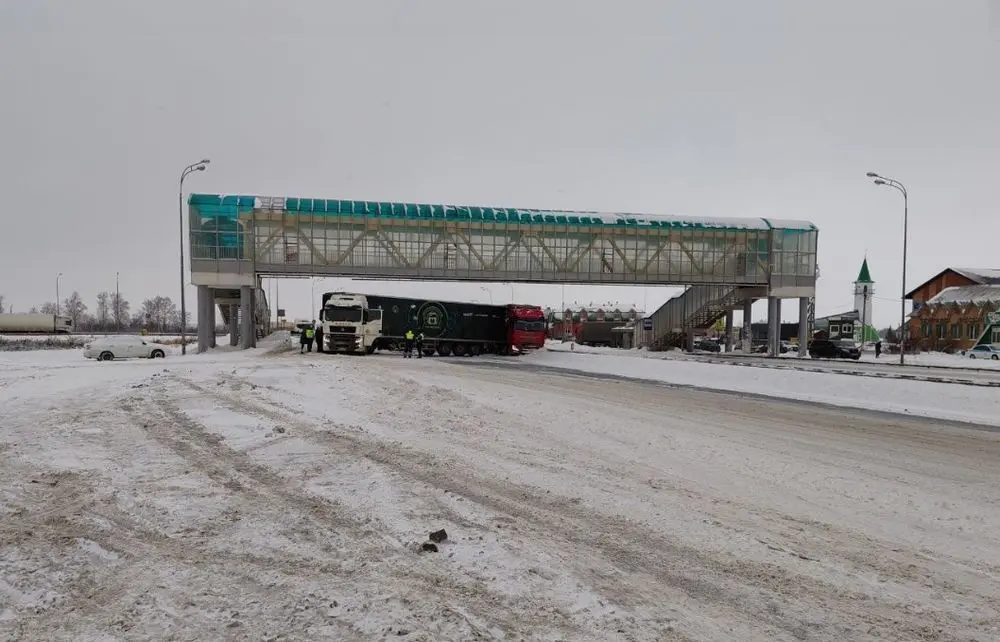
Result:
{"points": [[707, 345], [835, 349]]}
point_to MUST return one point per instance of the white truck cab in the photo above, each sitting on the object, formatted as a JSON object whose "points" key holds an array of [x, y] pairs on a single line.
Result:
{"points": [[349, 326]]}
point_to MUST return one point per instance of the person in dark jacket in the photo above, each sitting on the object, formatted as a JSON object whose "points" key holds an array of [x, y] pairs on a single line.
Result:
{"points": [[878, 348], [308, 334], [319, 336], [419, 344]]}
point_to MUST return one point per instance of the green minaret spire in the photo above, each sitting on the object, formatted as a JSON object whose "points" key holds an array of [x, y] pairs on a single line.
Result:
{"points": [[864, 276]]}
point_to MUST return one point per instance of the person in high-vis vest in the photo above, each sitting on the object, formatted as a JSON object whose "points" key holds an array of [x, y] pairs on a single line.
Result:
{"points": [[308, 334], [408, 344]]}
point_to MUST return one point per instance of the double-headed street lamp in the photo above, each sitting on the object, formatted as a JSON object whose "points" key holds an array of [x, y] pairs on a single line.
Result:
{"points": [[194, 167], [58, 276], [891, 182]]}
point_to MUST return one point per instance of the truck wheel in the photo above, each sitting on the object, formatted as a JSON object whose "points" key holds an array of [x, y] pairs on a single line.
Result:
{"points": [[475, 349], [444, 349], [428, 352], [459, 350], [370, 350]]}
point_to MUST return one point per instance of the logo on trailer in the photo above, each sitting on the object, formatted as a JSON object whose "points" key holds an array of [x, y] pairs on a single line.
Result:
{"points": [[432, 319], [993, 318]]}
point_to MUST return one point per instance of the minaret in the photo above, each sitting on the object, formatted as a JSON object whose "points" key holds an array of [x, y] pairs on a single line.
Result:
{"points": [[864, 289]]}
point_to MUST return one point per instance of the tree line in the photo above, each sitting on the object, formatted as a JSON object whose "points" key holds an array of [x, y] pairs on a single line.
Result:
{"points": [[112, 312]]}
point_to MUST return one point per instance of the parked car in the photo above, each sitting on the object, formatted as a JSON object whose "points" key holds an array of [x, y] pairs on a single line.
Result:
{"points": [[834, 349], [124, 347], [985, 352], [707, 345]]}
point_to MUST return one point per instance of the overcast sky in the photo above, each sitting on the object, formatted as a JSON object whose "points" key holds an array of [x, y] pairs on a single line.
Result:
{"points": [[771, 108]]}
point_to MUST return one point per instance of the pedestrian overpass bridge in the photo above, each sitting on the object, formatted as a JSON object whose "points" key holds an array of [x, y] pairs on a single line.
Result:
{"points": [[236, 239]]}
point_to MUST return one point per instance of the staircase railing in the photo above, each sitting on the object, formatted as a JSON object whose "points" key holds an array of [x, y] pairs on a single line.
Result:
{"points": [[696, 308]]}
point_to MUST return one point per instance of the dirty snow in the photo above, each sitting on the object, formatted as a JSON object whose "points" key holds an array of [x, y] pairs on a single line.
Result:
{"points": [[273, 495]]}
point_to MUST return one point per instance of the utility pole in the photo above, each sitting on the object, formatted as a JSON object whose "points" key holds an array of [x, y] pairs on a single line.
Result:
{"points": [[118, 296]]}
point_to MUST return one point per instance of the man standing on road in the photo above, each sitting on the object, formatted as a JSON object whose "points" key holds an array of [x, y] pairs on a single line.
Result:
{"points": [[408, 344], [420, 345], [878, 348], [308, 334], [319, 336]]}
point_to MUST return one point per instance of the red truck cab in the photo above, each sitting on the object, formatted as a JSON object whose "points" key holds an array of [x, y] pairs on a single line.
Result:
{"points": [[525, 328]]}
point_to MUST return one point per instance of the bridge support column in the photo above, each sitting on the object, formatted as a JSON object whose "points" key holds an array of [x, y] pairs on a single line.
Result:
{"points": [[210, 310], [803, 326], [748, 326], [234, 325], [773, 324], [729, 331], [205, 302], [247, 330]]}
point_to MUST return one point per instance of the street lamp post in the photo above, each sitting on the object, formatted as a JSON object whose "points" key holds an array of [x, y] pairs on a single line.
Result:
{"points": [[194, 167], [118, 296], [58, 276], [891, 182], [490, 293]]}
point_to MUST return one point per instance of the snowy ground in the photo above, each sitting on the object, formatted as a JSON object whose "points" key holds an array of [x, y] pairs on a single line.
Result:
{"points": [[272, 495]]}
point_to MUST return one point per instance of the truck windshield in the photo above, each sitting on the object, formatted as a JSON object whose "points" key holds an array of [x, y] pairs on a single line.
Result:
{"points": [[530, 326], [342, 314]]}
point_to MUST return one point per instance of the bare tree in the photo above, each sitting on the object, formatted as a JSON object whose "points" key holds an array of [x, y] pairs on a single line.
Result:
{"points": [[75, 308], [33, 310], [1, 305], [159, 311], [103, 310], [48, 308]]}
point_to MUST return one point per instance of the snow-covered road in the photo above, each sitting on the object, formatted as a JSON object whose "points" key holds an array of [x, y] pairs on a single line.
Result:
{"points": [[273, 494]]}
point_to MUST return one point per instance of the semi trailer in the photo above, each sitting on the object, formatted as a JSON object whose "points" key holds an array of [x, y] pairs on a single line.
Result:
{"points": [[364, 323], [35, 324]]}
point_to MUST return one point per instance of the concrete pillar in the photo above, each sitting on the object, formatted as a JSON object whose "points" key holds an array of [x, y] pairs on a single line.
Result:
{"points": [[747, 324], [772, 314], [729, 331], [204, 301], [246, 317], [777, 327], [211, 319], [234, 325], [803, 326]]}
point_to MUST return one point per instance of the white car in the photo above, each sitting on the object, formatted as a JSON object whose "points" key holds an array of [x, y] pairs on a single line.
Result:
{"points": [[124, 347], [985, 352]]}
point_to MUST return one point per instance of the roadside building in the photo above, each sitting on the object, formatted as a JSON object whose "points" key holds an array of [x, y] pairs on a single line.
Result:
{"points": [[955, 310]]}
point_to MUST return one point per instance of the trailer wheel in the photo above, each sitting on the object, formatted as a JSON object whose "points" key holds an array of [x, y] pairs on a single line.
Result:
{"points": [[459, 350], [444, 349], [428, 352], [475, 349]]}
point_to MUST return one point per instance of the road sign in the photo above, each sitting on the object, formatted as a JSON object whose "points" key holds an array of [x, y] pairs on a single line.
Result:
{"points": [[647, 324]]}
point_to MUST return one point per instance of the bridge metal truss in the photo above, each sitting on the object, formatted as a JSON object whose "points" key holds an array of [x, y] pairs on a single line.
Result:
{"points": [[404, 241]]}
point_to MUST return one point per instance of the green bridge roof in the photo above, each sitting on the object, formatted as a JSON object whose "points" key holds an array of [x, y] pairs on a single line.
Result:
{"points": [[230, 205]]}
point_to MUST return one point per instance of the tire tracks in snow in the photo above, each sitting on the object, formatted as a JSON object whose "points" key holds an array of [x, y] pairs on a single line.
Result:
{"points": [[646, 563], [235, 470], [726, 582]]}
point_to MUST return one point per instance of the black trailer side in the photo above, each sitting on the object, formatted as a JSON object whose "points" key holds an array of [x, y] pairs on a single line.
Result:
{"points": [[449, 327]]}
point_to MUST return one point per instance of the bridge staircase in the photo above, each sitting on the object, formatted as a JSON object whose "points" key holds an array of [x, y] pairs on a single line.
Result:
{"points": [[697, 308], [262, 313]]}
